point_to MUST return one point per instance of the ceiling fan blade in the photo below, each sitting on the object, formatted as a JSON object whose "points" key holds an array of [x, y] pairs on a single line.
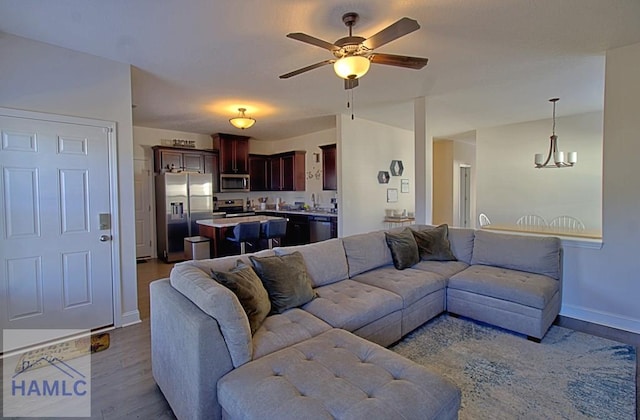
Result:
{"points": [[299, 36], [415, 63], [392, 32], [304, 69], [350, 83]]}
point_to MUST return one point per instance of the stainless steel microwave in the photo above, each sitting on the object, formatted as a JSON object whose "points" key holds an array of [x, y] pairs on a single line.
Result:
{"points": [[234, 182]]}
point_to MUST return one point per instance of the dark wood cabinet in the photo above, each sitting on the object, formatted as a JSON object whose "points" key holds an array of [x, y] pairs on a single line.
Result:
{"points": [[329, 172], [234, 153], [287, 171], [211, 167], [190, 160], [193, 162], [259, 172], [275, 173]]}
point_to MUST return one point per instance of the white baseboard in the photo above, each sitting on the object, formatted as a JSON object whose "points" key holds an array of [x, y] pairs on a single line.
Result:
{"points": [[601, 318], [130, 318]]}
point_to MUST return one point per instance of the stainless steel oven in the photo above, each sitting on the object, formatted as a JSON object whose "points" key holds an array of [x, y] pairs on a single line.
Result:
{"points": [[234, 182]]}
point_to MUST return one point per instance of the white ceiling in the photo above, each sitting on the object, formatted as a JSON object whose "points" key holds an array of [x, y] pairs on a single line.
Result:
{"points": [[490, 61]]}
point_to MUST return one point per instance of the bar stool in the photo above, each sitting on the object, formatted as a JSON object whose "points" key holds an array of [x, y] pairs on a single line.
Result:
{"points": [[243, 233], [274, 229]]}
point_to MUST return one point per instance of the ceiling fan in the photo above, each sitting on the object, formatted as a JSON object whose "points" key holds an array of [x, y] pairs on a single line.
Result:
{"points": [[353, 54]]}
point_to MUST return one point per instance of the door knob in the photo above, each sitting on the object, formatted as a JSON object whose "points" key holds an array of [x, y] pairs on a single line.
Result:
{"points": [[105, 238]]}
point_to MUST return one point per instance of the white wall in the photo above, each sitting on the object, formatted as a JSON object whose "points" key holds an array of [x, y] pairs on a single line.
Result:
{"points": [[40, 77], [603, 286], [508, 185], [364, 148]]}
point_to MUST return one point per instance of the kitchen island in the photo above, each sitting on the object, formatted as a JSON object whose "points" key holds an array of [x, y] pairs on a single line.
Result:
{"points": [[307, 226], [215, 228]]}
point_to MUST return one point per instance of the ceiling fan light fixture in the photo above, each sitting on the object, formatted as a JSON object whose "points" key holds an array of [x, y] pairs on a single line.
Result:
{"points": [[241, 121], [352, 67]]}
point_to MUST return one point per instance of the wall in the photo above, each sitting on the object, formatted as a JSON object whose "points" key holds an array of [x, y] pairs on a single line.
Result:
{"points": [[364, 148], [40, 77], [443, 182], [464, 154], [508, 185], [602, 285], [448, 157]]}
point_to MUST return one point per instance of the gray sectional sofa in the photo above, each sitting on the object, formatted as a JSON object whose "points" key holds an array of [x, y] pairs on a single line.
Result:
{"points": [[327, 358]]}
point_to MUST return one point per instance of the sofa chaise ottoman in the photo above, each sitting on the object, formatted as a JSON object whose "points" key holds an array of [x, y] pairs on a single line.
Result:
{"points": [[336, 375]]}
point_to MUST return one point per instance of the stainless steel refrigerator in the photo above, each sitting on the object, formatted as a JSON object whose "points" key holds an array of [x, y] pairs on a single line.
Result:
{"points": [[181, 200]]}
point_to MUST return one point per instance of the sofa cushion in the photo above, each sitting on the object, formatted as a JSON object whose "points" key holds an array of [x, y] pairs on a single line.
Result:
{"points": [[326, 261], [350, 304], [403, 247], [461, 240], [444, 268], [218, 302], [410, 284], [227, 263], [366, 251], [248, 288], [525, 288], [336, 375], [286, 329], [433, 244], [535, 254], [286, 280]]}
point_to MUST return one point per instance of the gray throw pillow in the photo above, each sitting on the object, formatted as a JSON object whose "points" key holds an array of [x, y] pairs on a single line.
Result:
{"points": [[403, 247], [246, 285], [433, 244], [286, 280]]}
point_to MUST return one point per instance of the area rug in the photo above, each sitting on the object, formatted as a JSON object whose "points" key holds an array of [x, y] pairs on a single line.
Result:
{"points": [[502, 375], [66, 350]]}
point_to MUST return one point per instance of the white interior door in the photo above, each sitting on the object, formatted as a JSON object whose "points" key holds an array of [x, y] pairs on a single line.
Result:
{"points": [[55, 233], [142, 190]]}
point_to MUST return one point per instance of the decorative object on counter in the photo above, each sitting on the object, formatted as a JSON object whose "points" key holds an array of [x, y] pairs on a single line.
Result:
{"points": [[558, 156], [404, 185], [397, 168], [392, 195], [242, 121], [263, 202], [383, 177]]}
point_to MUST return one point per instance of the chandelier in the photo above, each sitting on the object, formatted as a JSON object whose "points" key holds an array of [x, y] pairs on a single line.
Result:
{"points": [[242, 121], [558, 156]]}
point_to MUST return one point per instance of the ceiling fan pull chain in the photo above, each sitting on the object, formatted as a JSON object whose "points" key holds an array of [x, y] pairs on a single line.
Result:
{"points": [[353, 105]]}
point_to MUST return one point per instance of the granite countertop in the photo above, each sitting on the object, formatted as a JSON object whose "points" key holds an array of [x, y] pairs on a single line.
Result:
{"points": [[304, 212], [232, 221]]}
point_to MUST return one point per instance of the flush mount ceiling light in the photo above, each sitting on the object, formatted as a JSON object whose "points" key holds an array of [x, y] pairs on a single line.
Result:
{"points": [[558, 156], [241, 121]]}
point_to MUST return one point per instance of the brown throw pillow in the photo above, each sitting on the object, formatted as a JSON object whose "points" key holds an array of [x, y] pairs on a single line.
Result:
{"points": [[404, 249], [286, 280], [246, 285], [434, 245]]}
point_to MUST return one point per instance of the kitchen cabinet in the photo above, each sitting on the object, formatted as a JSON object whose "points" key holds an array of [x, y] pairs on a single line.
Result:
{"points": [[287, 171], [234, 153], [193, 162], [329, 172], [259, 172], [190, 160]]}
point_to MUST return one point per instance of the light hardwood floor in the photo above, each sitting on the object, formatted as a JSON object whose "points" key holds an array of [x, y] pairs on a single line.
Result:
{"points": [[123, 386]]}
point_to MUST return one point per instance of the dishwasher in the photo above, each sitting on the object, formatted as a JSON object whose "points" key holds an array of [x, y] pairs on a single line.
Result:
{"points": [[319, 228]]}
